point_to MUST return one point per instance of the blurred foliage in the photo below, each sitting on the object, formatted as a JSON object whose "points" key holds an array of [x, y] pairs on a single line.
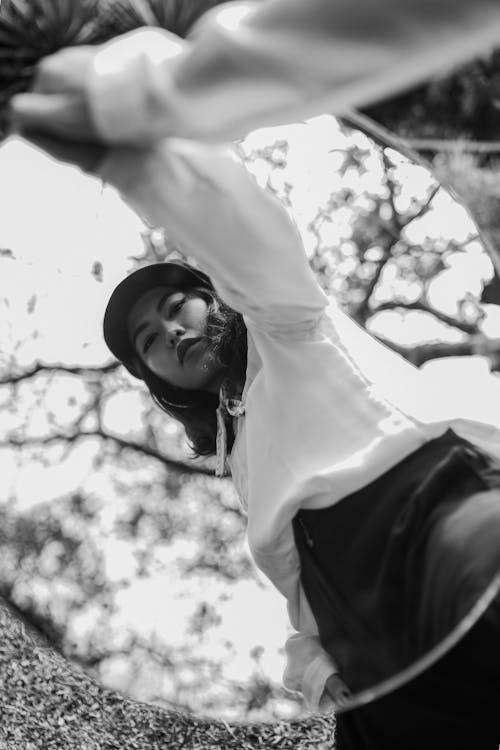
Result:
{"points": [[389, 252], [463, 104], [374, 242], [478, 186]]}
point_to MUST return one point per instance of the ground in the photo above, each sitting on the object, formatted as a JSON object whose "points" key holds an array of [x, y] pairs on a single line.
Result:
{"points": [[46, 702]]}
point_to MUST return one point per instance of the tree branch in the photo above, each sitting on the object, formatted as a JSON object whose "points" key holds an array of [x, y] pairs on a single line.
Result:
{"points": [[469, 328], [363, 309], [475, 345], [40, 367], [169, 463], [444, 144], [424, 208], [391, 188]]}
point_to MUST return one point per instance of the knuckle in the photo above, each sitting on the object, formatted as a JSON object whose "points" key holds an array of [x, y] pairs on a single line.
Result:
{"points": [[44, 73], [47, 64]]}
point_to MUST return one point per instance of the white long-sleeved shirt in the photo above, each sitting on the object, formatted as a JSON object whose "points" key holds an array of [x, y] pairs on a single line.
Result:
{"points": [[328, 409], [282, 61]]}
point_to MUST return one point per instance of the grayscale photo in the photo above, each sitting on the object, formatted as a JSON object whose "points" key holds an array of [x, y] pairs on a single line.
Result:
{"points": [[249, 375]]}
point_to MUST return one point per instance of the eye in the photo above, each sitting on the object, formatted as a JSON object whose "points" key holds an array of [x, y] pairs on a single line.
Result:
{"points": [[148, 342], [176, 306]]}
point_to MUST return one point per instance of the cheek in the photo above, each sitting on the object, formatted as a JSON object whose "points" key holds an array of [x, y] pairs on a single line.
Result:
{"points": [[195, 314], [160, 364]]}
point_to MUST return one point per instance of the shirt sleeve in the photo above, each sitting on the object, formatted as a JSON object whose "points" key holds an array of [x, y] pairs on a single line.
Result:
{"points": [[308, 666], [279, 61], [216, 212]]}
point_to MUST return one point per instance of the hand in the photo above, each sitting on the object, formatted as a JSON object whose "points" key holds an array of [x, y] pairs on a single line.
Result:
{"points": [[337, 689], [57, 104]]}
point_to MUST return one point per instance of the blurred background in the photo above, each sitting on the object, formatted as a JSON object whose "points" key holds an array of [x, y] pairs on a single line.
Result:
{"points": [[123, 551]]}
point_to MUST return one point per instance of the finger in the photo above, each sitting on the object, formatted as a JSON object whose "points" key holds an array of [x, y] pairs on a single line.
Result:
{"points": [[49, 78], [47, 112], [63, 115], [64, 71]]}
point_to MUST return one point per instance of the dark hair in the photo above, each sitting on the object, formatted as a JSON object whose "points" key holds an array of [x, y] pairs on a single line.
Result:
{"points": [[196, 410]]}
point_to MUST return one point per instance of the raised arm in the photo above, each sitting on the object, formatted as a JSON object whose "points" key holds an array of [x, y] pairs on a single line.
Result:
{"points": [[216, 212], [284, 60]]}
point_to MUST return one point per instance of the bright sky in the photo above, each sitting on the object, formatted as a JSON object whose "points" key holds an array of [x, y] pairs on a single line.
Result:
{"points": [[59, 223]]}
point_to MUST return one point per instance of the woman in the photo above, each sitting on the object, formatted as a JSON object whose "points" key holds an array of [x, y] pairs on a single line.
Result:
{"points": [[328, 428], [168, 326], [355, 492]]}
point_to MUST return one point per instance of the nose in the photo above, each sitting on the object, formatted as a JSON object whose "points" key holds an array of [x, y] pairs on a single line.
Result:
{"points": [[173, 333]]}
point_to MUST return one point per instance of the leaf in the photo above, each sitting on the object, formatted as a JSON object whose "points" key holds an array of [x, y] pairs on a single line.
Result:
{"points": [[31, 304], [96, 271]]}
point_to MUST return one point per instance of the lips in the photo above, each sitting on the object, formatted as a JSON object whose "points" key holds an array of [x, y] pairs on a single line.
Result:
{"points": [[184, 346]]}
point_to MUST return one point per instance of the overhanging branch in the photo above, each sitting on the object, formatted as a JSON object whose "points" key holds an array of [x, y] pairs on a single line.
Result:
{"points": [[475, 345], [170, 463], [468, 328], [39, 367]]}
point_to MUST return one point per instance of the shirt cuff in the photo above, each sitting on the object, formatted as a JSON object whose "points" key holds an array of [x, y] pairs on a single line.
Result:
{"points": [[127, 85], [313, 684]]}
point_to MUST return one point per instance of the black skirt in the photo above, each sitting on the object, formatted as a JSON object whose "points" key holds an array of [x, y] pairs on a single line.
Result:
{"points": [[391, 572]]}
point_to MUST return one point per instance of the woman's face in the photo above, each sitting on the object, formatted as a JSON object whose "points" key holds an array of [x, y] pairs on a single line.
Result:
{"points": [[166, 327]]}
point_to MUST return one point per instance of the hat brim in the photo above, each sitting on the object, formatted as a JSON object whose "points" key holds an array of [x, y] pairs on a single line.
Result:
{"points": [[174, 274]]}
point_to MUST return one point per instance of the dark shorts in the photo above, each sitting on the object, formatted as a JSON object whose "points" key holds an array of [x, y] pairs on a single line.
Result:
{"points": [[392, 569]]}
